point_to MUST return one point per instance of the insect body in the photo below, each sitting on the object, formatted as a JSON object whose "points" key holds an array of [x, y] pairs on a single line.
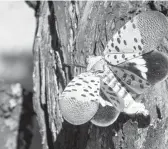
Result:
{"points": [[130, 64]]}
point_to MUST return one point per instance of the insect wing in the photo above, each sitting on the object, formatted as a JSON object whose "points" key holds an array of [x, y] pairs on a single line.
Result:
{"points": [[142, 72], [140, 35], [131, 81], [127, 39], [118, 58], [105, 116], [79, 101]]}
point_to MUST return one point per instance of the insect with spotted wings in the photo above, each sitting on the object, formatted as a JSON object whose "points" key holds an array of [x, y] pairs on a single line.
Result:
{"points": [[130, 64]]}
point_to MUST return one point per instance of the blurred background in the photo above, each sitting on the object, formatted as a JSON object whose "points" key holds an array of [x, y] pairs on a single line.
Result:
{"points": [[17, 27]]}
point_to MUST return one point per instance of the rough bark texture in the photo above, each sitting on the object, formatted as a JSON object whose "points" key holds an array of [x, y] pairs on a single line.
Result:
{"points": [[67, 32]]}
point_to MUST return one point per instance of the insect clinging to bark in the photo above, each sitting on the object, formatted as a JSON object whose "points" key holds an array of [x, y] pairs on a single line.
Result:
{"points": [[130, 64]]}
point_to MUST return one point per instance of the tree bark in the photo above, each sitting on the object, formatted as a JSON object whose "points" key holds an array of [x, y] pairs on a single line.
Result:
{"points": [[67, 32]]}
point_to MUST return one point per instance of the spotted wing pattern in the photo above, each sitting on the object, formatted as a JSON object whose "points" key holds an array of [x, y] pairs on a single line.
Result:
{"points": [[140, 35], [80, 99], [142, 72]]}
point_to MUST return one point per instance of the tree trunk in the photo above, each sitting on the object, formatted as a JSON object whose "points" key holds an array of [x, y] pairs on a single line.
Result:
{"points": [[66, 33]]}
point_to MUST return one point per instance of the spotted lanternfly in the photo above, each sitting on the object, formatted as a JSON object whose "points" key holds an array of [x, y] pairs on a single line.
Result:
{"points": [[130, 64], [86, 94]]}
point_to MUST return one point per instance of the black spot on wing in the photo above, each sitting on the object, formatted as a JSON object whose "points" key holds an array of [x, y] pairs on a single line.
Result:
{"points": [[111, 93], [85, 81], [125, 42], [123, 55], [115, 56], [129, 81], [112, 44], [132, 77], [135, 40], [85, 90], [92, 80], [142, 41], [83, 95], [110, 89], [134, 47], [147, 84], [112, 98], [139, 47], [124, 76], [104, 83], [92, 94], [140, 81], [115, 100], [118, 101], [78, 84], [115, 104], [141, 86], [118, 40], [74, 89], [117, 49], [90, 87]]}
